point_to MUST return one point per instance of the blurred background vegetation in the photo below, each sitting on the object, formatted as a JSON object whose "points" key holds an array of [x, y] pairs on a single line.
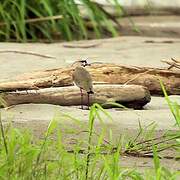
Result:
{"points": [[50, 20]]}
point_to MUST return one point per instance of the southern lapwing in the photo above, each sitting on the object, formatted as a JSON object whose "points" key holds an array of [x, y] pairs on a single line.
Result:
{"points": [[82, 79]]}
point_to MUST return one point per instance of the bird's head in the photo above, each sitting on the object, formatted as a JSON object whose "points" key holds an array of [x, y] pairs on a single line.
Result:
{"points": [[83, 63]]}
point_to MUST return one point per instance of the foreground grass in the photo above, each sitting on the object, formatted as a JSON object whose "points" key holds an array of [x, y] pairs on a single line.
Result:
{"points": [[22, 156]]}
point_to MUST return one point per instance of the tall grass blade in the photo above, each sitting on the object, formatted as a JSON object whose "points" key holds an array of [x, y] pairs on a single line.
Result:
{"points": [[174, 107], [3, 135]]}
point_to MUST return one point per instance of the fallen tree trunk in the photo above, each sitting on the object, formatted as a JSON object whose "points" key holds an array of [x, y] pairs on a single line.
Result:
{"points": [[101, 73], [130, 95]]}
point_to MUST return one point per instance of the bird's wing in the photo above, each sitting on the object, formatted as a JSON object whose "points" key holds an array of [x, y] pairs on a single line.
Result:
{"points": [[82, 79], [86, 80]]}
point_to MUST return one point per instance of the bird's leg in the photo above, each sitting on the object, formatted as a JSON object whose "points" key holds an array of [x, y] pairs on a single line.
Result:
{"points": [[88, 101], [81, 98]]}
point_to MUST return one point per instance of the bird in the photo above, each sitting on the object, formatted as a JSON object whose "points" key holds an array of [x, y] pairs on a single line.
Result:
{"points": [[82, 79]]}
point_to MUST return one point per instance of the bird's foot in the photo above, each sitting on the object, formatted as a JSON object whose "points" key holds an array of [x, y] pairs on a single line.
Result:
{"points": [[86, 108], [81, 107]]}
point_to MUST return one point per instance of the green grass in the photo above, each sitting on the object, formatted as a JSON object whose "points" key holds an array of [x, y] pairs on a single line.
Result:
{"points": [[22, 20]]}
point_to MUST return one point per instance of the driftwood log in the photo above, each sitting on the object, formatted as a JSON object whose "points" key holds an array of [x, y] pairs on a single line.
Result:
{"points": [[130, 95], [101, 73]]}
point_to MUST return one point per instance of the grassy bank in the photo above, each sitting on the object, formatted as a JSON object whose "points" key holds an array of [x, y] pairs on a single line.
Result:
{"points": [[22, 20]]}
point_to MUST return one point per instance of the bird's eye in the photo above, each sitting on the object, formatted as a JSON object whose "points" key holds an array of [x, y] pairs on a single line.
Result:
{"points": [[83, 64]]}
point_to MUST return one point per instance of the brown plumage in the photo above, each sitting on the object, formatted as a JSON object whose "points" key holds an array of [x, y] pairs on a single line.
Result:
{"points": [[82, 79]]}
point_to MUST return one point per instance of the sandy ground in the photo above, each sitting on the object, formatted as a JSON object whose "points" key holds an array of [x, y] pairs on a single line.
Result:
{"points": [[121, 50]]}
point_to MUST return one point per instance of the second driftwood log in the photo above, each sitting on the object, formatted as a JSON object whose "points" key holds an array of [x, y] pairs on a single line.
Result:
{"points": [[133, 96]]}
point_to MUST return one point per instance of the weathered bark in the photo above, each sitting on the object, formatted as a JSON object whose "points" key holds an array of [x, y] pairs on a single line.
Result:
{"points": [[106, 73], [130, 95], [173, 63]]}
